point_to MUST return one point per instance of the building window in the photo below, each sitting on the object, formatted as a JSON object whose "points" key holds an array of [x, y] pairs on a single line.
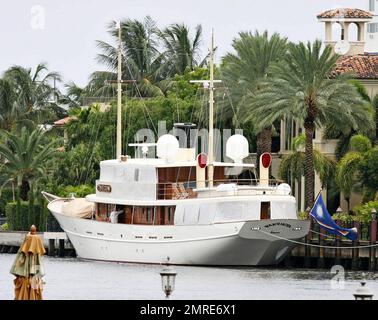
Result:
{"points": [[371, 5], [372, 27]]}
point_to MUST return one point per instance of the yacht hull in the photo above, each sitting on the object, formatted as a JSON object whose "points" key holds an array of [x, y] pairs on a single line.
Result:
{"points": [[236, 243]]}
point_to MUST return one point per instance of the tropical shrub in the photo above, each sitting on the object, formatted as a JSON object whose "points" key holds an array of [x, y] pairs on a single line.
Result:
{"points": [[368, 173], [357, 170], [4, 227], [363, 212], [344, 217], [79, 191]]}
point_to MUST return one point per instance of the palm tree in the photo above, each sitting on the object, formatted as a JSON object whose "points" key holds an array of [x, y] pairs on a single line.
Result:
{"points": [[9, 108], [25, 154], [35, 92], [243, 72], [74, 96], [141, 59], [181, 50], [305, 89], [345, 133], [349, 167], [292, 166]]}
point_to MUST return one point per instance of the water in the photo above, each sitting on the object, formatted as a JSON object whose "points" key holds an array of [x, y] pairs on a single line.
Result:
{"points": [[77, 279]]}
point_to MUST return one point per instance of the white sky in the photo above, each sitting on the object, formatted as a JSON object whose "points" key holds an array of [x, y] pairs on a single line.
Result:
{"points": [[67, 41]]}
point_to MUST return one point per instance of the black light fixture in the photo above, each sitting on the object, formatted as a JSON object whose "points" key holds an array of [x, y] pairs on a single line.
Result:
{"points": [[168, 278], [373, 214], [363, 293]]}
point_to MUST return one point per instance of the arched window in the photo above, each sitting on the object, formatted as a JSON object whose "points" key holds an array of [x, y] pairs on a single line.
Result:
{"points": [[353, 32], [337, 32]]}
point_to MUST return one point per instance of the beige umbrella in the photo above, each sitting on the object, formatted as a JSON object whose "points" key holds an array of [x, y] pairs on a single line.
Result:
{"points": [[28, 268]]}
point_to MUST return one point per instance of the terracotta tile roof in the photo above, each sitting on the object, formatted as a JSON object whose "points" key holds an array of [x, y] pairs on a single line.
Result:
{"points": [[62, 122], [345, 13], [364, 66]]}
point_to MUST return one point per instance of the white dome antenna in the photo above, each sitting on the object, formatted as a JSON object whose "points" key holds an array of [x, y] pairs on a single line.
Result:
{"points": [[237, 148], [284, 189], [167, 147]]}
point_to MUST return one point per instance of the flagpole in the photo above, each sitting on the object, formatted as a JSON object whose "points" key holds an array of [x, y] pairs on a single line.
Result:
{"points": [[316, 198]]}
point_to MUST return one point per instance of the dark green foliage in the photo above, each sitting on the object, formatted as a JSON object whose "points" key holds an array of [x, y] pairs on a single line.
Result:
{"points": [[6, 196], [368, 172], [79, 191], [20, 219]]}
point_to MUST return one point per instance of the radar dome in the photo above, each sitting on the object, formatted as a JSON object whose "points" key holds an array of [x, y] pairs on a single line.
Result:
{"points": [[237, 148], [167, 147], [284, 189]]}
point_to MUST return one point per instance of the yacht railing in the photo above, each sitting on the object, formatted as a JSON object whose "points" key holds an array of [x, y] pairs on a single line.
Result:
{"points": [[201, 189]]}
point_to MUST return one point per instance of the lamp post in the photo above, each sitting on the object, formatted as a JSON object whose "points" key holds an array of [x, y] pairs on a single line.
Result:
{"points": [[373, 240], [363, 293], [373, 214], [337, 239], [168, 278]]}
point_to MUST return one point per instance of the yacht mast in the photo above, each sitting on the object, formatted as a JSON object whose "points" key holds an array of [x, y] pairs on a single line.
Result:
{"points": [[119, 96], [209, 84], [211, 114]]}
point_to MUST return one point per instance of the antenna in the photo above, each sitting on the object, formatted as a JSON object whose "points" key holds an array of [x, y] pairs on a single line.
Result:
{"points": [[119, 95]]}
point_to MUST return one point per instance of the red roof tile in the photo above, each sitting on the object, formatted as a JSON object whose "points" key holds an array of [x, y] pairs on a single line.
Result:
{"points": [[62, 122], [364, 66], [345, 13]]}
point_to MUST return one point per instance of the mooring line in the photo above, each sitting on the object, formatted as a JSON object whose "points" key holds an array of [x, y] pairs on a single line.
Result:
{"points": [[317, 245]]}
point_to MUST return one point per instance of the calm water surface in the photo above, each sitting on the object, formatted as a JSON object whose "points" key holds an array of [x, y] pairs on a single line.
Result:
{"points": [[77, 279]]}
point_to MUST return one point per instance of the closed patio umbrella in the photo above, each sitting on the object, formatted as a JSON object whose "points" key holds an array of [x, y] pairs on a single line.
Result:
{"points": [[28, 268]]}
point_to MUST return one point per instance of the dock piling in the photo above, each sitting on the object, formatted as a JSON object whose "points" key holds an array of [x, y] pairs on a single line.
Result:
{"points": [[355, 251], [337, 245], [321, 249], [373, 240], [61, 248], [51, 247]]}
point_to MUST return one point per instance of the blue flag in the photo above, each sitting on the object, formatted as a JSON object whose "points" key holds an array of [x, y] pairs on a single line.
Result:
{"points": [[321, 215]]}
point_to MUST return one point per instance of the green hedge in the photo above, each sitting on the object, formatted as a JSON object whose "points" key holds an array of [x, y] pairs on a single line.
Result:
{"points": [[22, 219], [6, 196]]}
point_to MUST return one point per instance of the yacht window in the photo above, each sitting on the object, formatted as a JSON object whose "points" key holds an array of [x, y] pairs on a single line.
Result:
{"points": [[265, 211], [170, 215], [149, 215], [103, 211], [136, 175]]}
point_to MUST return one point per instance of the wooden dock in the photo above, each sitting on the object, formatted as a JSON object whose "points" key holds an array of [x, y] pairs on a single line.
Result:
{"points": [[325, 251], [56, 243]]}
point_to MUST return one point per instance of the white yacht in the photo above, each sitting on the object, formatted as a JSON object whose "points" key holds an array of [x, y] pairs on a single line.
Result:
{"points": [[183, 207]]}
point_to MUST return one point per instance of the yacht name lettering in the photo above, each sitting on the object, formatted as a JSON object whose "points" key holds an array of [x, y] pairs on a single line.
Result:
{"points": [[278, 224], [104, 188]]}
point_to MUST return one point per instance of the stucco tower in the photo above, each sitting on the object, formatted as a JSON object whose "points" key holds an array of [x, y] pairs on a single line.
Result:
{"points": [[347, 18]]}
